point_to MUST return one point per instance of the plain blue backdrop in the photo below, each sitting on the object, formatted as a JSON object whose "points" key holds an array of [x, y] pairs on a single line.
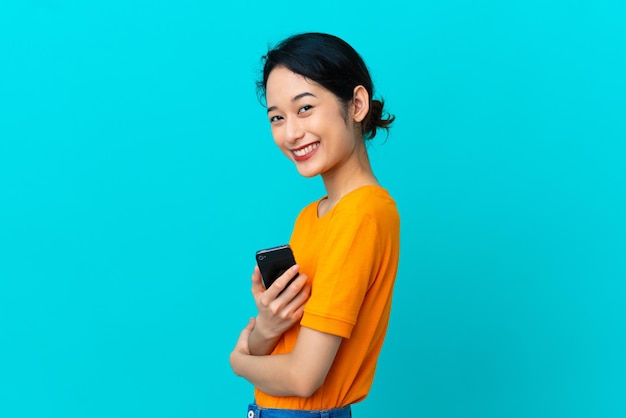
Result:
{"points": [[138, 176]]}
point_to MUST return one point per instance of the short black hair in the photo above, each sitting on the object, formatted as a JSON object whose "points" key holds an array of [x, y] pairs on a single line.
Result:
{"points": [[333, 64]]}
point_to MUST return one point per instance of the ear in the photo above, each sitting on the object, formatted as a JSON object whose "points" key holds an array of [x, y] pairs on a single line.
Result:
{"points": [[360, 103]]}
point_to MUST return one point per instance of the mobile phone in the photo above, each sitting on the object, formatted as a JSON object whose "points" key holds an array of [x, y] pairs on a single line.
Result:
{"points": [[273, 262]]}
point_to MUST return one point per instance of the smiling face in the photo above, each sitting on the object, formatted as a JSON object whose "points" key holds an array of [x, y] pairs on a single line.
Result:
{"points": [[310, 125]]}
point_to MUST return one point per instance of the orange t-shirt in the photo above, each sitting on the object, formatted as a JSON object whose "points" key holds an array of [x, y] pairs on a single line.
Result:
{"points": [[351, 257]]}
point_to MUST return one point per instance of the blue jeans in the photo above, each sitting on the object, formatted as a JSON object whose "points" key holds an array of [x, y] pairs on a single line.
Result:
{"points": [[255, 411]]}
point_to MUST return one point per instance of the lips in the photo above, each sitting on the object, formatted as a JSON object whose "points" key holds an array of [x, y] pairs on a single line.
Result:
{"points": [[303, 153]]}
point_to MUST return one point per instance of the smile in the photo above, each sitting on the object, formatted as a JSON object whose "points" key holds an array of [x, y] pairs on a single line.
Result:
{"points": [[302, 152]]}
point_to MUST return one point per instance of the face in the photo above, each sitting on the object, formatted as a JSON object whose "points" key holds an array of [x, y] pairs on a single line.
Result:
{"points": [[309, 124]]}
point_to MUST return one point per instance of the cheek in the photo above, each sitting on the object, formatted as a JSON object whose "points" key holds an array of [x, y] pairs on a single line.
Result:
{"points": [[278, 137], [331, 123]]}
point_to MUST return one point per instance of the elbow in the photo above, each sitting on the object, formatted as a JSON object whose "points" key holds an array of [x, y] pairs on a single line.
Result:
{"points": [[233, 364], [305, 391], [305, 386]]}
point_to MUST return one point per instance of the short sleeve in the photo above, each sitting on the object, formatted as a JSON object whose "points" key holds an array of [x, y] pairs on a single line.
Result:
{"points": [[345, 269]]}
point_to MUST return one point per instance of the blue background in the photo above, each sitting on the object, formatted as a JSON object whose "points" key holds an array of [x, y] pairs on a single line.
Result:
{"points": [[138, 176]]}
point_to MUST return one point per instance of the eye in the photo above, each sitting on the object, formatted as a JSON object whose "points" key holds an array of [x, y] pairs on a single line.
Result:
{"points": [[275, 118], [304, 108]]}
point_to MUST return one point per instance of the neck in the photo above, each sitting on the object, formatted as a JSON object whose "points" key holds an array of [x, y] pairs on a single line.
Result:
{"points": [[352, 174]]}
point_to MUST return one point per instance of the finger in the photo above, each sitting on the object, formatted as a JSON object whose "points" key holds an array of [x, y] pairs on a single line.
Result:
{"points": [[294, 288], [305, 293], [257, 282], [280, 283], [242, 342], [298, 313], [299, 301], [251, 324], [248, 329]]}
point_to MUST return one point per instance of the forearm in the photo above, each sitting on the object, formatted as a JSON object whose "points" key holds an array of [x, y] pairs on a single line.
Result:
{"points": [[272, 374], [299, 373], [261, 345]]}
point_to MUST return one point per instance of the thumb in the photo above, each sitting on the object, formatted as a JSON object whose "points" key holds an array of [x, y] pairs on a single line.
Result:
{"points": [[245, 333], [250, 326], [257, 281]]}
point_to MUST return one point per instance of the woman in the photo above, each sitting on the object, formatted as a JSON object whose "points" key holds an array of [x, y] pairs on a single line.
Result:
{"points": [[314, 346]]}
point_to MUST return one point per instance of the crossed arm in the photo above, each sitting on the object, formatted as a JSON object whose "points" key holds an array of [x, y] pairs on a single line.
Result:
{"points": [[298, 373]]}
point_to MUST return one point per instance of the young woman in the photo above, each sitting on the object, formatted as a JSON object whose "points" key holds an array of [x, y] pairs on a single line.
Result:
{"points": [[312, 349]]}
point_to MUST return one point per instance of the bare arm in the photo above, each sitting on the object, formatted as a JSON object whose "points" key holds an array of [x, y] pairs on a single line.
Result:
{"points": [[299, 373], [276, 314]]}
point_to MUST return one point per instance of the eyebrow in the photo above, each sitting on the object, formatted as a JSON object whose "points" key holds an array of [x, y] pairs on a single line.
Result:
{"points": [[294, 99]]}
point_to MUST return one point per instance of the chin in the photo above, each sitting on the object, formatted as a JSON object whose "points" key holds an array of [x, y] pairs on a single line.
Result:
{"points": [[307, 172]]}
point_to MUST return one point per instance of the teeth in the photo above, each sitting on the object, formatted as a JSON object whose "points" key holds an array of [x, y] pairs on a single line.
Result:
{"points": [[304, 151]]}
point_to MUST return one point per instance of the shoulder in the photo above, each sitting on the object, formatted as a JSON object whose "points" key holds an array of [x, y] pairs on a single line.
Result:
{"points": [[364, 203], [366, 212], [309, 211], [368, 201]]}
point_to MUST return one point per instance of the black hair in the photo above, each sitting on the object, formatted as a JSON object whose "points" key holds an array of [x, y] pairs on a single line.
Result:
{"points": [[333, 64]]}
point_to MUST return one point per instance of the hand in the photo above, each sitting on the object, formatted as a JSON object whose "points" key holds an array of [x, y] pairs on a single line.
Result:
{"points": [[242, 347], [242, 342], [279, 311]]}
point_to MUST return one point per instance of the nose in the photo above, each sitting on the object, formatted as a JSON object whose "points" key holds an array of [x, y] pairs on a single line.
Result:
{"points": [[293, 130]]}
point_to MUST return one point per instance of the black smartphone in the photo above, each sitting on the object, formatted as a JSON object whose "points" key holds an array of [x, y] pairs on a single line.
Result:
{"points": [[273, 262]]}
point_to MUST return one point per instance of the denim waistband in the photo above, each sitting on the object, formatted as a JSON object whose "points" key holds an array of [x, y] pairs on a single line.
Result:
{"points": [[255, 411]]}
